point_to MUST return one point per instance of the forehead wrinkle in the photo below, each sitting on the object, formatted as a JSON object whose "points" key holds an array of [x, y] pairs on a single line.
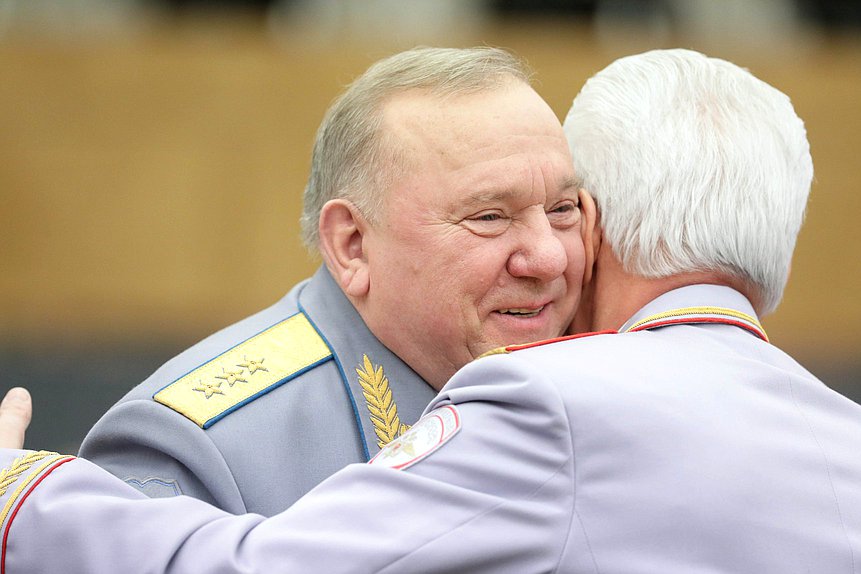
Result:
{"points": [[566, 183], [478, 198]]}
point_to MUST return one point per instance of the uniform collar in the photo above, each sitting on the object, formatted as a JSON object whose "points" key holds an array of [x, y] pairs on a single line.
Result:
{"points": [[330, 310], [351, 342], [338, 321], [697, 304]]}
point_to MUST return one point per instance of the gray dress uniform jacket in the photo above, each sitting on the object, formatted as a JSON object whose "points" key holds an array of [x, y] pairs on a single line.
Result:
{"points": [[256, 415], [685, 444]]}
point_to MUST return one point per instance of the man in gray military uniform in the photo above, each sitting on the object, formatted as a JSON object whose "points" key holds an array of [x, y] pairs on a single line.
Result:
{"points": [[429, 262], [678, 440]]}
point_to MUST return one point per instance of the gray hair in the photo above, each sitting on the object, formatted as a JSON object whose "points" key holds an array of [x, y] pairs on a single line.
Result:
{"points": [[696, 165], [351, 159]]}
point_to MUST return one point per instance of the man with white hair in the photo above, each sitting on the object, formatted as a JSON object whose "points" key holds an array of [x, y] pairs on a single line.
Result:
{"points": [[442, 201], [678, 439]]}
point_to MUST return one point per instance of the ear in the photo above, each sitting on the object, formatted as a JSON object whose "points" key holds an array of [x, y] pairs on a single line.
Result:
{"points": [[591, 233], [342, 233]]}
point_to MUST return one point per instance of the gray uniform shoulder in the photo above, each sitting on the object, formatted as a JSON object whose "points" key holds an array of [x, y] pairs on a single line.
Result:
{"points": [[258, 414], [162, 437]]}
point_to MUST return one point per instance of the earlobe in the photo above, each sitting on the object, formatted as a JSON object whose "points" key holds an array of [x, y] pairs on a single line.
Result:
{"points": [[342, 232], [591, 233]]}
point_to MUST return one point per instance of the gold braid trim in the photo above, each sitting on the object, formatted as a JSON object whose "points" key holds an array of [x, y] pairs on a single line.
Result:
{"points": [[378, 397], [20, 465], [692, 312]]}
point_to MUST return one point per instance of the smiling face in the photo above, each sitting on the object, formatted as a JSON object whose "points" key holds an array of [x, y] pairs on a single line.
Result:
{"points": [[478, 244]]}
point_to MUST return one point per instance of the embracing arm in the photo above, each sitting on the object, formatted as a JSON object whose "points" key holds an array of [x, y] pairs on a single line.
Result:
{"points": [[493, 496]]}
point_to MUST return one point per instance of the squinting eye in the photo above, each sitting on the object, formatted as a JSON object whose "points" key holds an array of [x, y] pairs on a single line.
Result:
{"points": [[487, 223], [564, 215]]}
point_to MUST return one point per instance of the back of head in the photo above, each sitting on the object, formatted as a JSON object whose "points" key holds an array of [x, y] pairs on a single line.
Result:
{"points": [[351, 158], [696, 165]]}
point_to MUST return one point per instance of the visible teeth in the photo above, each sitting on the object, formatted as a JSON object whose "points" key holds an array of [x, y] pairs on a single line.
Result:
{"points": [[522, 312]]}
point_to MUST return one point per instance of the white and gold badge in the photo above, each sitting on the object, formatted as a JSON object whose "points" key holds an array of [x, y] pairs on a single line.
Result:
{"points": [[431, 432]]}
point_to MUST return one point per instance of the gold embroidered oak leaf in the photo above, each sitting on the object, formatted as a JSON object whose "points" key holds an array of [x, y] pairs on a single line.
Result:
{"points": [[20, 465], [378, 397]]}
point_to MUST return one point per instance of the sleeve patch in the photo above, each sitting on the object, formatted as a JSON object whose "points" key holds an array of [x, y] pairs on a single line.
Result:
{"points": [[247, 371], [429, 434], [156, 487]]}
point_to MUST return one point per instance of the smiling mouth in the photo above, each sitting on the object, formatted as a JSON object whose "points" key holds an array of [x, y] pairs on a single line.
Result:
{"points": [[521, 312]]}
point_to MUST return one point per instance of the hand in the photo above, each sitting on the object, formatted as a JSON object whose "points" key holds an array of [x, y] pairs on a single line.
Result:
{"points": [[15, 413]]}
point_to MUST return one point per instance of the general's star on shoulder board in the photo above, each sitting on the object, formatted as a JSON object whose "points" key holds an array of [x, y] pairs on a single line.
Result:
{"points": [[431, 432]]}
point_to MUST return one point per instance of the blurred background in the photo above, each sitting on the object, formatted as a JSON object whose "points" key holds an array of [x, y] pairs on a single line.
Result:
{"points": [[153, 156]]}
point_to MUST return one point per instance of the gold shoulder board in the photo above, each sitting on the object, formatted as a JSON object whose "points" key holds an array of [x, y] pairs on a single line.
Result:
{"points": [[247, 371]]}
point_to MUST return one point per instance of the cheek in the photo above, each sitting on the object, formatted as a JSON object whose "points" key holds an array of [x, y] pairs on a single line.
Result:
{"points": [[576, 261], [394, 258], [481, 269]]}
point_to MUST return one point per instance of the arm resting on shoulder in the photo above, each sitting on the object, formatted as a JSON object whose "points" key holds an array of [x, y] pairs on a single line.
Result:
{"points": [[495, 496]]}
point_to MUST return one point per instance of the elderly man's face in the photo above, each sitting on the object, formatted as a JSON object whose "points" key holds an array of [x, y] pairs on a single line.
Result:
{"points": [[479, 244]]}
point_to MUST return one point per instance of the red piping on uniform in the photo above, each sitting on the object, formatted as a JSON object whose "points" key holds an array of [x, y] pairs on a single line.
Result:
{"points": [[558, 339], [20, 502]]}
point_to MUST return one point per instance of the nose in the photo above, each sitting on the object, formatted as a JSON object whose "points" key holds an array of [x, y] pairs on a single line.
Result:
{"points": [[539, 252]]}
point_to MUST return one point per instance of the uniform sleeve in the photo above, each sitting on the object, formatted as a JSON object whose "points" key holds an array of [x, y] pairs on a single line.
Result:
{"points": [[161, 453], [497, 496]]}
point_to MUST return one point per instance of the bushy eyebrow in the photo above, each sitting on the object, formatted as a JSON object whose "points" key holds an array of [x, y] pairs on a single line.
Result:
{"points": [[569, 183], [480, 198]]}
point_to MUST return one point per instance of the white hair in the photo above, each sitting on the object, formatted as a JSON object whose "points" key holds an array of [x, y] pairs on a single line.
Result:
{"points": [[351, 158], [696, 165]]}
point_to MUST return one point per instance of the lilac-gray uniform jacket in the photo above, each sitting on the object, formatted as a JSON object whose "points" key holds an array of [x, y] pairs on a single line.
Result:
{"points": [[686, 444]]}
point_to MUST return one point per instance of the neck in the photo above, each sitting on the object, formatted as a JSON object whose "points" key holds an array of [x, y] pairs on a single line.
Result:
{"points": [[617, 295]]}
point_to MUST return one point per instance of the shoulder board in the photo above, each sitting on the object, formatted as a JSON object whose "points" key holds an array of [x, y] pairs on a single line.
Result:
{"points": [[247, 371], [512, 348]]}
